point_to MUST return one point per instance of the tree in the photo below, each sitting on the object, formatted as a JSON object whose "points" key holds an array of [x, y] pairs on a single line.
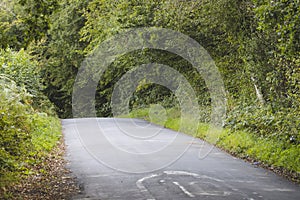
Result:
{"points": [[24, 21], [60, 53]]}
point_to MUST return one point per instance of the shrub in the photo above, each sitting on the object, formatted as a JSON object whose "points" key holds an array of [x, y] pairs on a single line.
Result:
{"points": [[19, 67], [15, 129], [280, 123], [29, 129]]}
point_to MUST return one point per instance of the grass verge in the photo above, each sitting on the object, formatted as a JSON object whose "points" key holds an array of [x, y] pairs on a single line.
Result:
{"points": [[41, 173], [276, 155]]}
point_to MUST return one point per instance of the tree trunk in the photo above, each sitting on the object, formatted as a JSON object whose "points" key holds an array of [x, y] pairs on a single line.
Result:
{"points": [[258, 92]]}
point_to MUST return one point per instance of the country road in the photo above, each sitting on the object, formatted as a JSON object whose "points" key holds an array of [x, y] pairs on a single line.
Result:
{"points": [[132, 159]]}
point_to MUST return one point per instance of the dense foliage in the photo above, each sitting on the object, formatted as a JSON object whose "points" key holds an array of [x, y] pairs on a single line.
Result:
{"points": [[28, 126], [255, 44], [23, 21]]}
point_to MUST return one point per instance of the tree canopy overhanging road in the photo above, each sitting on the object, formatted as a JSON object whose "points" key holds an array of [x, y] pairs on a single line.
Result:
{"points": [[233, 64]]}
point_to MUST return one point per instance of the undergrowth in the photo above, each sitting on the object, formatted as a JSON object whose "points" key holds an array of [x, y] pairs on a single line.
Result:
{"points": [[26, 137]]}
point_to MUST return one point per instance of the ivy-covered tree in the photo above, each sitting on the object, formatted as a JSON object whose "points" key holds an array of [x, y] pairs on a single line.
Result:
{"points": [[279, 20]]}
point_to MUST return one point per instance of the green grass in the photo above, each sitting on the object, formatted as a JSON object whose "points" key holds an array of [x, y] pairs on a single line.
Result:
{"points": [[271, 152], [46, 133]]}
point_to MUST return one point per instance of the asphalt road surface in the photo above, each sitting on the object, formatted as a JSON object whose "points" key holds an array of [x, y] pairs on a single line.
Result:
{"points": [[132, 159]]}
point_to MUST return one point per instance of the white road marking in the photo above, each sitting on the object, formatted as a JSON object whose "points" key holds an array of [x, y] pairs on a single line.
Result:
{"points": [[278, 189], [204, 191], [193, 182], [192, 174], [181, 173], [214, 193], [143, 189], [184, 190], [148, 195]]}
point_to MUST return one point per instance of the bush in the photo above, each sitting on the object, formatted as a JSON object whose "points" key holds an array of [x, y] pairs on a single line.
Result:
{"points": [[19, 67], [27, 133], [282, 124], [15, 128]]}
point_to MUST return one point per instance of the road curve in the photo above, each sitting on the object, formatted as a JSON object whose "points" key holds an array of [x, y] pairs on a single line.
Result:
{"points": [[132, 159]]}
